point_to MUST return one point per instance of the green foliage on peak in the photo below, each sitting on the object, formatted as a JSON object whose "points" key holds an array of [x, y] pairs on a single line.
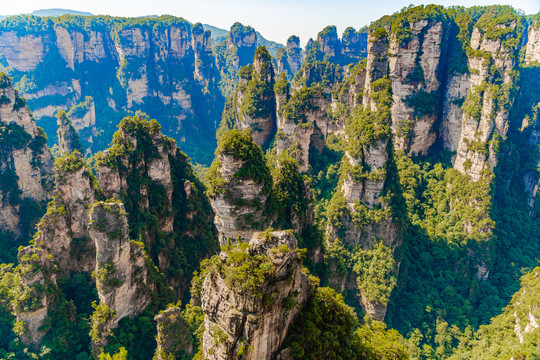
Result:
{"points": [[137, 142], [241, 268], [281, 86], [69, 162], [399, 24], [301, 101], [237, 29], [329, 31], [240, 145], [289, 191]]}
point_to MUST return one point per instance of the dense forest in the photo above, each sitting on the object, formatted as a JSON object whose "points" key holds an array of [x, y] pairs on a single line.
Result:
{"points": [[371, 196]]}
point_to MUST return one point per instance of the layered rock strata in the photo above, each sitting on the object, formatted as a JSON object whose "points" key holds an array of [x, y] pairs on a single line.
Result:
{"points": [[241, 187], [25, 161], [252, 323], [121, 273]]}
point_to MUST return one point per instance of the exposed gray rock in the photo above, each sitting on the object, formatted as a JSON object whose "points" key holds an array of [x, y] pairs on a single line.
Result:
{"points": [[243, 324]]}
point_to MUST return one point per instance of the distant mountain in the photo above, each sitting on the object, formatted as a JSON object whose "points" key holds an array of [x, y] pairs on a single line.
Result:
{"points": [[59, 12], [218, 35], [53, 12]]}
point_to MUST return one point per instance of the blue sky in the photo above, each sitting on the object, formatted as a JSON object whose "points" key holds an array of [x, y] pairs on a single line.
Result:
{"points": [[275, 19]]}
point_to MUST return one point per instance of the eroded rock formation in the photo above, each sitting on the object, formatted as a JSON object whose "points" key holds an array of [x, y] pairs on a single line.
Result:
{"points": [[248, 318], [240, 186], [25, 162]]}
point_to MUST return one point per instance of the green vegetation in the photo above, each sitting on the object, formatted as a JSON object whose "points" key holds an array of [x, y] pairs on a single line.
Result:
{"points": [[400, 23], [240, 145], [300, 103], [243, 270], [377, 270], [194, 235], [325, 328], [499, 338], [289, 192]]}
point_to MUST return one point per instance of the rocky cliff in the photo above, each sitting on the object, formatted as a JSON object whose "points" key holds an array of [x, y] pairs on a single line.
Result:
{"points": [[235, 52], [80, 235], [25, 167], [253, 105], [121, 271], [486, 107], [532, 49], [68, 139], [240, 185], [62, 244], [289, 60], [165, 203], [248, 314], [63, 64]]}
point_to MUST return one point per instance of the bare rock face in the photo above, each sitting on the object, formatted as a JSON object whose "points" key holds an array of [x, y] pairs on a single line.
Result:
{"points": [[25, 160], [303, 124], [121, 273], [240, 184], [174, 335], [22, 52], [62, 243], [532, 49], [414, 69], [68, 139], [254, 101], [376, 63], [251, 320], [456, 91], [202, 48], [485, 119]]}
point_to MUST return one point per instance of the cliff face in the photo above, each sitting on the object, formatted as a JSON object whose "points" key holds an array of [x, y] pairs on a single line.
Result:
{"points": [[68, 140], [248, 318], [303, 124], [25, 164], [240, 186], [360, 212], [486, 108], [121, 272], [139, 62], [62, 244], [253, 105], [289, 60], [152, 177], [415, 68], [460, 100], [81, 235], [235, 52], [532, 48]]}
